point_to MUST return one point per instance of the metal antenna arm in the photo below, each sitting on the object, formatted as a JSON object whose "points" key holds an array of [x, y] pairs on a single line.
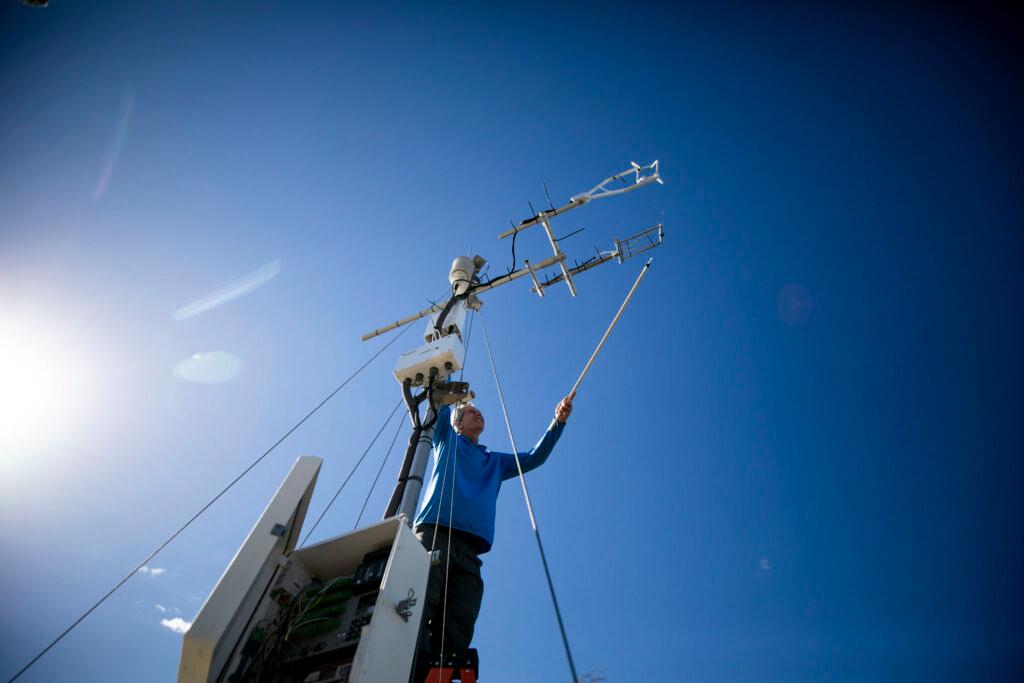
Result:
{"points": [[483, 287], [624, 249], [630, 179], [642, 175], [535, 220], [404, 321]]}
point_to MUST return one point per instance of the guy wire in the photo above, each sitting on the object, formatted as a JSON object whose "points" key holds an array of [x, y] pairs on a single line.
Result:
{"points": [[352, 471], [529, 506], [379, 472]]}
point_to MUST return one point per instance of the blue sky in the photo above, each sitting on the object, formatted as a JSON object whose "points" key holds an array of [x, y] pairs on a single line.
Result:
{"points": [[743, 494]]}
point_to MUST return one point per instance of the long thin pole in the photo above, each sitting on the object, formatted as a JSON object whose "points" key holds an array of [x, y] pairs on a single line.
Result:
{"points": [[643, 271], [529, 507]]}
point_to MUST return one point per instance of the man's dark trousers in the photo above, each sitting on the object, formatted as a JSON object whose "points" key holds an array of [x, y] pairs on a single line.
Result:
{"points": [[465, 588]]}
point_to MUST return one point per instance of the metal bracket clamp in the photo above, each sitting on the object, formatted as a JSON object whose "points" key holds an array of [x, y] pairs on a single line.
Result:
{"points": [[537, 286], [404, 607], [450, 393]]}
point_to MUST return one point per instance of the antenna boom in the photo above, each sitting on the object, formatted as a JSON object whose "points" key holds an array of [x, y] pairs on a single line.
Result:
{"points": [[643, 176], [624, 250]]}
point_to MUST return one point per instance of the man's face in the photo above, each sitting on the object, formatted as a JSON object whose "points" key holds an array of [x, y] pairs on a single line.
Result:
{"points": [[471, 424]]}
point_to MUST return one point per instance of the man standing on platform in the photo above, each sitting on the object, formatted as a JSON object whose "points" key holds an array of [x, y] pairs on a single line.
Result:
{"points": [[462, 528]]}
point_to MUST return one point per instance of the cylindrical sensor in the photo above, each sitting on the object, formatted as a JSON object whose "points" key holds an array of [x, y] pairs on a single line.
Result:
{"points": [[461, 274]]}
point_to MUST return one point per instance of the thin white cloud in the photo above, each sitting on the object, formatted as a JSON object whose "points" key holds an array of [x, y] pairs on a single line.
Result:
{"points": [[234, 290], [177, 624], [152, 571], [164, 609]]}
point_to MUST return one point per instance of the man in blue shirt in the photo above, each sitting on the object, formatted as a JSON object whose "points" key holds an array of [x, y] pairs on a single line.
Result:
{"points": [[458, 512]]}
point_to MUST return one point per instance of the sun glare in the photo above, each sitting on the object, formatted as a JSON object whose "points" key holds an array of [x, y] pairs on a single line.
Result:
{"points": [[42, 397]]}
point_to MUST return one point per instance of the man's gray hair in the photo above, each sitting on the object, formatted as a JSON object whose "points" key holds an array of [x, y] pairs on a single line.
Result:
{"points": [[457, 412]]}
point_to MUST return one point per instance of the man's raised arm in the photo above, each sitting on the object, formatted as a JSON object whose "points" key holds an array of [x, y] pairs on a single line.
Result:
{"points": [[536, 456], [443, 425]]}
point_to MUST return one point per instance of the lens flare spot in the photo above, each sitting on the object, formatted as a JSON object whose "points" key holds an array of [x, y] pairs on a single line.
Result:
{"points": [[795, 304], [209, 367]]}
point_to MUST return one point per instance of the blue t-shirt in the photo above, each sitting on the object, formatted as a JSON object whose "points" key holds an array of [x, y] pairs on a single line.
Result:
{"points": [[478, 476]]}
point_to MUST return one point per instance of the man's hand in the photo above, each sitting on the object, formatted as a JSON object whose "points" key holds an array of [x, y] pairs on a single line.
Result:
{"points": [[564, 408]]}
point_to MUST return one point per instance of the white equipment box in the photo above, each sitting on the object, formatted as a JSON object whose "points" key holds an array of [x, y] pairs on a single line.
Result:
{"points": [[376, 640], [454, 323], [444, 355]]}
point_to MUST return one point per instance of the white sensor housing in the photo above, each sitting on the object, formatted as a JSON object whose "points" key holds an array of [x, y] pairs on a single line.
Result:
{"points": [[444, 355], [461, 274]]}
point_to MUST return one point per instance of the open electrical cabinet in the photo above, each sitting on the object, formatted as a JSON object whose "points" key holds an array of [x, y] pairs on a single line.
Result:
{"points": [[346, 610]]}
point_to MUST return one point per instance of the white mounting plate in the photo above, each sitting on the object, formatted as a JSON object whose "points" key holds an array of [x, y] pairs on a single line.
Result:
{"points": [[241, 600], [224, 618]]}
